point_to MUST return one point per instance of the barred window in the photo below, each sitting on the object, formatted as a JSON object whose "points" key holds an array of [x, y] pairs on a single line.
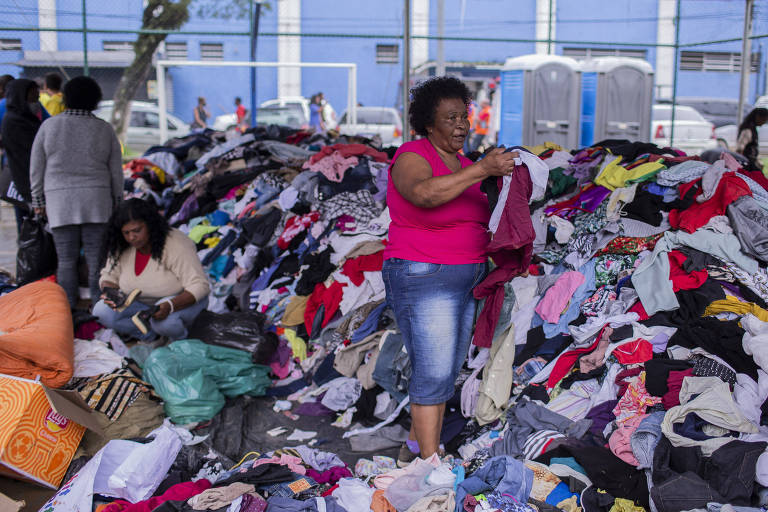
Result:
{"points": [[387, 54], [117, 46], [590, 53], [211, 51], [10, 44], [176, 50], [729, 62]]}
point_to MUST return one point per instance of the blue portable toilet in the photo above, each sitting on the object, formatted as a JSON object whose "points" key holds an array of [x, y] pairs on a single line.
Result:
{"points": [[616, 99], [540, 101]]}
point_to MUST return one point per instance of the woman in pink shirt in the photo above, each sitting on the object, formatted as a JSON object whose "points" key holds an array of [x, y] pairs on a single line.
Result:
{"points": [[436, 254]]}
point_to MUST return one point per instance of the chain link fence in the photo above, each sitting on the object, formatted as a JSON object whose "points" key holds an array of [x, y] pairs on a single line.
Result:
{"points": [[96, 37]]}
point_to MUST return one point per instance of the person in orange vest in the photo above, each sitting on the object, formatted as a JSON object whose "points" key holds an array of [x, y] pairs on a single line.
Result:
{"points": [[482, 123], [471, 116]]}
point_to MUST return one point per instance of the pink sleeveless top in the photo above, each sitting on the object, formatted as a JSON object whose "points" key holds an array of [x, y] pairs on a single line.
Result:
{"points": [[453, 233]]}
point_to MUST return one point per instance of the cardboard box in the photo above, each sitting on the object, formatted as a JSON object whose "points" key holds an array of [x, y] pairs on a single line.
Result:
{"points": [[40, 430]]}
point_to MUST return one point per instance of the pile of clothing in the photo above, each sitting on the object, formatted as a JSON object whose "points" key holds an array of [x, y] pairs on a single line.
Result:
{"points": [[624, 370]]}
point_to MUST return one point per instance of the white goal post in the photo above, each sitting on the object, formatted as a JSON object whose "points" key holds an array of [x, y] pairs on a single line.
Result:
{"points": [[162, 102]]}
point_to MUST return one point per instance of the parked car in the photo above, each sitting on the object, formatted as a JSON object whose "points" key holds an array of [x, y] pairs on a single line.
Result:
{"points": [[144, 126], [289, 101], [382, 121], [726, 137], [290, 115], [693, 133], [718, 111]]}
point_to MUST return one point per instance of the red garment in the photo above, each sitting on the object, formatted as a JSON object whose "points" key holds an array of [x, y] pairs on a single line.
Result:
{"points": [[757, 176], [330, 491], [730, 188], [669, 161], [624, 377], [179, 492], [354, 268], [141, 262], [674, 384], [633, 352], [87, 330], [240, 113], [510, 249], [295, 226], [566, 361], [329, 297], [640, 310], [347, 150], [682, 280], [297, 137]]}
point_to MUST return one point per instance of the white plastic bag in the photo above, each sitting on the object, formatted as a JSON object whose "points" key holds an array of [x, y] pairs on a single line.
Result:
{"points": [[122, 469]]}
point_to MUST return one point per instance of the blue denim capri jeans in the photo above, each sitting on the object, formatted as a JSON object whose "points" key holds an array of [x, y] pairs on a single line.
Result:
{"points": [[435, 311]]}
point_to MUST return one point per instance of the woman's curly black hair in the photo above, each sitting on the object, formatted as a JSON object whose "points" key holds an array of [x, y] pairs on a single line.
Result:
{"points": [[132, 210], [427, 95]]}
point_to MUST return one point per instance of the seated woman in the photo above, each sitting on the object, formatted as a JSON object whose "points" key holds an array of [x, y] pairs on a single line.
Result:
{"points": [[157, 266]]}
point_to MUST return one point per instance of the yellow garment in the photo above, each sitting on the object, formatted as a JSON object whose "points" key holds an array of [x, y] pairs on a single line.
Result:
{"points": [[298, 345], [294, 311], [52, 104], [733, 305], [615, 176], [537, 150], [212, 242], [569, 505], [198, 232], [625, 505], [159, 173]]}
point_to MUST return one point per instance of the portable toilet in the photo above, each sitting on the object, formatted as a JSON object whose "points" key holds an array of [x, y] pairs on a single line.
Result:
{"points": [[616, 99], [540, 101]]}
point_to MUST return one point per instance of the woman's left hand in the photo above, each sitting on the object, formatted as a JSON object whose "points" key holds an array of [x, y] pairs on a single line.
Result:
{"points": [[163, 310]]}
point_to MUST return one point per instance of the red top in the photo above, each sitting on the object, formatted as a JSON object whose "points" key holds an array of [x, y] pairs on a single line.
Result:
{"points": [[453, 233], [141, 262], [240, 112]]}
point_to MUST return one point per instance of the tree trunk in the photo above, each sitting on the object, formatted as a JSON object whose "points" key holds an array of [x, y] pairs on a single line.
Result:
{"points": [[158, 15]]}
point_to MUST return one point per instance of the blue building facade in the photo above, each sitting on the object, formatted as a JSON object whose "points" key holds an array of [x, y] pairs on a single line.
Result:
{"points": [[581, 29]]}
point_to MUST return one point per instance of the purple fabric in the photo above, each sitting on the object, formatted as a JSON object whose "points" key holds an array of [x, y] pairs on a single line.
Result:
{"points": [[582, 164], [330, 476], [601, 415], [313, 409], [731, 288], [587, 200], [253, 503], [381, 183], [185, 212], [282, 354], [659, 343]]}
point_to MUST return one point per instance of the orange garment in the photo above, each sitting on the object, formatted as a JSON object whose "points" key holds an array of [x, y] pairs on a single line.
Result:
{"points": [[483, 121], [379, 503], [36, 336]]}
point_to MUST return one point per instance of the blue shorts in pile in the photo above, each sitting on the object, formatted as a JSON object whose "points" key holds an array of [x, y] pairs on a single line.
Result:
{"points": [[435, 310]]}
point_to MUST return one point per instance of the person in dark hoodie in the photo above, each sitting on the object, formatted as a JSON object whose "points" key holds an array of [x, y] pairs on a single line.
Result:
{"points": [[20, 124], [747, 143]]}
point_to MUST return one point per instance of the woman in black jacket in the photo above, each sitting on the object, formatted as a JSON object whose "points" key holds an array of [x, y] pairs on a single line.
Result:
{"points": [[21, 121]]}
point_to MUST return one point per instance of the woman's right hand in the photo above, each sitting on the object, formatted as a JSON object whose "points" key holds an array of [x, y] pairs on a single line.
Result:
{"points": [[499, 163], [109, 302]]}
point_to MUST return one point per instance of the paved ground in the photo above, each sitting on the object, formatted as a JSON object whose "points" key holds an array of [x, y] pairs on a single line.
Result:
{"points": [[7, 238]]}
